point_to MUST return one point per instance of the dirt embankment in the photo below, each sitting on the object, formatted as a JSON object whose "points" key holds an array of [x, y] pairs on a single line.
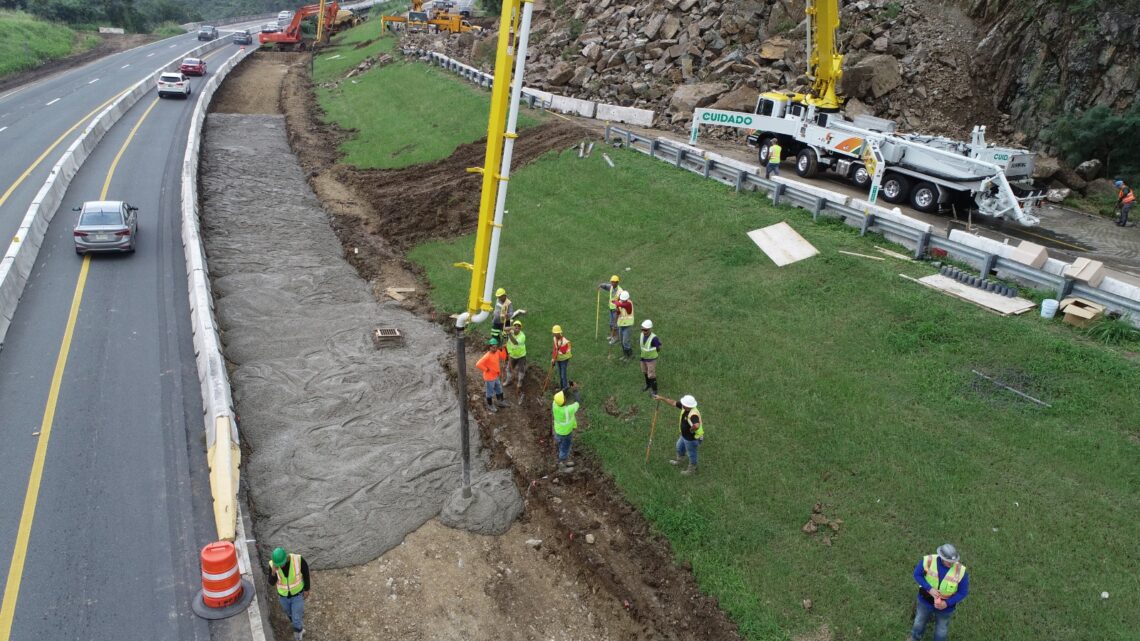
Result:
{"points": [[580, 563]]}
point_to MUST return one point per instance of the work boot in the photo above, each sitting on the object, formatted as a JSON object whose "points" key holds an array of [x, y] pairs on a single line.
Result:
{"points": [[689, 471], [676, 460], [647, 385], [570, 462], [491, 407], [298, 634], [653, 384], [613, 340], [501, 403]]}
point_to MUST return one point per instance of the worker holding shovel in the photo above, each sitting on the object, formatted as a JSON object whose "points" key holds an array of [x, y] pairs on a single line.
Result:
{"points": [[692, 431]]}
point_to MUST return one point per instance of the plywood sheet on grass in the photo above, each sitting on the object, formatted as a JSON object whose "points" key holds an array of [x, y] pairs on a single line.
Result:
{"points": [[989, 300], [782, 244]]}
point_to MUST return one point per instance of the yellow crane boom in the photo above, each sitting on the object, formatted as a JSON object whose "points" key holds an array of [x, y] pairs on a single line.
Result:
{"points": [[825, 63]]}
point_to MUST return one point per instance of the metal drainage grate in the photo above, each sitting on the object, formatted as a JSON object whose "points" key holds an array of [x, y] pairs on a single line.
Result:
{"points": [[386, 337]]}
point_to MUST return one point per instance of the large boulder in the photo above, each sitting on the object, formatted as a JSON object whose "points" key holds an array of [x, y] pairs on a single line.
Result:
{"points": [[560, 74], [872, 77], [1090, 169], [774, 48], [1070, 179], [1045, 167], [742, 98], [689, 97]]}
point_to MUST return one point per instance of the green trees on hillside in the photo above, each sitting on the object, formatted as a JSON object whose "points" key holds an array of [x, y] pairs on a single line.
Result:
{"points": [[132, 15], [1101, 134]]}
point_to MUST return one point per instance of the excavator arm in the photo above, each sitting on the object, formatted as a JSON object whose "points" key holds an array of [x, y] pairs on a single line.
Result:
{"points": [[825, 63]]}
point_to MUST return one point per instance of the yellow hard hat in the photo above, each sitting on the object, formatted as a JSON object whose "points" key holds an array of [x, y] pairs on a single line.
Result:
{"points": [[557, 329], [500, 292], [559, 398], [614, 278]]}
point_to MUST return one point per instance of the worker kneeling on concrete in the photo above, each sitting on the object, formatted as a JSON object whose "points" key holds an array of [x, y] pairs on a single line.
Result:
{"points": [[692, 431], [289, 573], [491, 366], [565, 421]]}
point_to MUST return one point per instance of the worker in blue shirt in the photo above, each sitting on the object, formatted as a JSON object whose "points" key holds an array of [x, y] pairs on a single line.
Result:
{"points": [[942, 584]]}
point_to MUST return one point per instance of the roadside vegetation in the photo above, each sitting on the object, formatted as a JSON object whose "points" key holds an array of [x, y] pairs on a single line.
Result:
{"points": [[136, 16], [832, 381], [27, 42], [430, 113]]}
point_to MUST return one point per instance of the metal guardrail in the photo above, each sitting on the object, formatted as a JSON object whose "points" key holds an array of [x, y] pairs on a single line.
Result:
{"points": [[920, 241]]}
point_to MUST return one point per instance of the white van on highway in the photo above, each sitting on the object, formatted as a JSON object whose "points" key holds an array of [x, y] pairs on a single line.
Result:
{"points": [[284, 18]]}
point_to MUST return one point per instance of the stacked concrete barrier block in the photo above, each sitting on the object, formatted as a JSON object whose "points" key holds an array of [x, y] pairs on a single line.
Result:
{"points": [[627, 115]]}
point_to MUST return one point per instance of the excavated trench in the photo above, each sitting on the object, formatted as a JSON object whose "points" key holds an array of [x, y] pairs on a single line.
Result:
{"points": [[351, 451]]}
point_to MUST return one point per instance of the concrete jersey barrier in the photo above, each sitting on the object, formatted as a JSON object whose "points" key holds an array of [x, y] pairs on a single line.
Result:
{"points": [[21, 255]]}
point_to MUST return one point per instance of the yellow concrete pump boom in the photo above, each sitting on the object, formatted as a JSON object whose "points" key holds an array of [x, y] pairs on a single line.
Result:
{"points": [[825, 63]]}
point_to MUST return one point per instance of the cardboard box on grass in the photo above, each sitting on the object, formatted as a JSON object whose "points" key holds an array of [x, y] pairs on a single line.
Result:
{"points": [[1080, 312]]}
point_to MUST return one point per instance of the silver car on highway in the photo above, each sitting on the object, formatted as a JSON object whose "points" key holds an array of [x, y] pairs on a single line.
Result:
{"points": [[106, 226]]}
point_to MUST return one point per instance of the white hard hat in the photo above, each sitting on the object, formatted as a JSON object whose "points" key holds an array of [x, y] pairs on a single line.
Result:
{"points": [[948, 552], [623, 296], [688, 401], [647, 324]]}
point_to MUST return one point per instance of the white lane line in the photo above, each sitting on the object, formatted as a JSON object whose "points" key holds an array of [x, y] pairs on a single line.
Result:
{"points": [[52, 102], [3, 128], [172, 46], [125, 66], [150, 54], [93, 81]]}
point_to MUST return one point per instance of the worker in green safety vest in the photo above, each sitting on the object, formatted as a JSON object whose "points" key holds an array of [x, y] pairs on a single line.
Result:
{"points": [[692, 431], [650, 350], [516, 353], [289, 573], [775, 155], [565, 421], [942, 584]]}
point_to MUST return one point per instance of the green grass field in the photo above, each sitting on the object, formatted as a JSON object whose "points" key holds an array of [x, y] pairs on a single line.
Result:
{"points": [[832, 380], [403, 114], [27, 42], [334, 61]]}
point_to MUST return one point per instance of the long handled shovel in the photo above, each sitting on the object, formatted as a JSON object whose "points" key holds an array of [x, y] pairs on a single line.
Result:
{"points": [[652, 430], [549, 373]]}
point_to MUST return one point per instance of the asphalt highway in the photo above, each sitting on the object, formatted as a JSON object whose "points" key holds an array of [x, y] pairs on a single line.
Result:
{"points": [[104, 498]]}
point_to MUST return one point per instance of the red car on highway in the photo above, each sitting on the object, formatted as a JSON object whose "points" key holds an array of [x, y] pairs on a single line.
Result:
{"points": [[193, 67]]}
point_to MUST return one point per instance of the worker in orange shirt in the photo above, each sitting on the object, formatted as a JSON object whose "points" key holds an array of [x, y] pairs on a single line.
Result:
{"points": [[491, 364]]}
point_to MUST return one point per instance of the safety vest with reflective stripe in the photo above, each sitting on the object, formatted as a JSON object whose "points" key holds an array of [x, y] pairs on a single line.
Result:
{"points": [[699, 433], [513, 350], [615, 291], [558, 355], [565, 419], [648, 351], [502, 312], [625, 318], [774, 153], [293, 584], [949, 583], [1126, 195]]}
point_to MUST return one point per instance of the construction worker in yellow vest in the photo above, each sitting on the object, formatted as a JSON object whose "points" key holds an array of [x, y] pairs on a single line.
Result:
{"points": [[565, 420], [289, 573], [942, 584], [775, 153], [650, 350], [615, 291], [625, 324], [503, 314], [692, 431], [516, 352]]}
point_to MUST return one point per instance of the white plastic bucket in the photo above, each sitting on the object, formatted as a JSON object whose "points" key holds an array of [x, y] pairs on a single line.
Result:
{"points": [[1048, 308]]}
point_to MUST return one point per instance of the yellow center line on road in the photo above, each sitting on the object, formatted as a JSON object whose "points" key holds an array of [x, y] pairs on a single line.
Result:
{"points": [[31, 496], [36, 163]]}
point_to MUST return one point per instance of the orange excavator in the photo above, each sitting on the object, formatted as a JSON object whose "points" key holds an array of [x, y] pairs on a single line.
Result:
{"points": [[290, 38]]}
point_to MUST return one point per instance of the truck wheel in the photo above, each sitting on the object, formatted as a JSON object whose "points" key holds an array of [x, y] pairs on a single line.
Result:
{"points": [[860, 178], [764, 151], [806, 165], [924, 197], [895, 188]]}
